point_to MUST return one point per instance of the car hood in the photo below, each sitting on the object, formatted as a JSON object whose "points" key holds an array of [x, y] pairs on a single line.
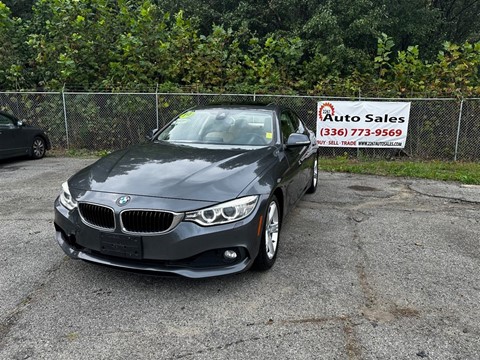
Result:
{"points": [[176, 171]]}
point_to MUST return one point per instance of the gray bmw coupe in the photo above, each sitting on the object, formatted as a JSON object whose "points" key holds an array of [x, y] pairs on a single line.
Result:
{"points": [[206, 195]]}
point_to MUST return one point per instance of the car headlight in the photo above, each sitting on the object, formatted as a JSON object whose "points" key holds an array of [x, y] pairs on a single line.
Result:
{"points": [[66, 198], [224, 213]]}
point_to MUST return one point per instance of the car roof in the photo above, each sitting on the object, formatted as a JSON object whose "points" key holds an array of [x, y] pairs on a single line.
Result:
{"points": [[240, 105]]}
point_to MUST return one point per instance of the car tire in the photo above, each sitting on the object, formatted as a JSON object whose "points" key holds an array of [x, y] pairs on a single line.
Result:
{"points": [[39, 147], [268, 251], [314, 181]]}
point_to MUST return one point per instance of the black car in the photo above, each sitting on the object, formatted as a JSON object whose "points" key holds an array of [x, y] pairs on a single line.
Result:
{"points": [[19, 139], [205, 197]]}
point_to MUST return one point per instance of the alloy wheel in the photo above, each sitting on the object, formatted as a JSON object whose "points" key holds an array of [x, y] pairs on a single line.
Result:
{"points": [[38, 148], [271, 230]]}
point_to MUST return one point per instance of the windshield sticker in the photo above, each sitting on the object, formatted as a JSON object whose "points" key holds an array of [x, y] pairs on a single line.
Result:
{"points": [[186, 115], [268, 135]]}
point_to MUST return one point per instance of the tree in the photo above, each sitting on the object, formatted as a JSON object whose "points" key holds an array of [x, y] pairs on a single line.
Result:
{"points": [[20, 8], [459, 20], [12, 50]]}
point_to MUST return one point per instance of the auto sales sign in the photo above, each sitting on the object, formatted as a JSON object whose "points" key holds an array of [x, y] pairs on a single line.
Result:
{"points": [[362, 124]]}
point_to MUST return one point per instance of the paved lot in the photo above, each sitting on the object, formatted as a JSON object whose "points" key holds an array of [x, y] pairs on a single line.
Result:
{"points": [[369, 268]]}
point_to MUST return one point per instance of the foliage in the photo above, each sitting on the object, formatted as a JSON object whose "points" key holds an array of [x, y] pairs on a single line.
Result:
{"points": [[455, 72], [331, 47], [11, 49]]}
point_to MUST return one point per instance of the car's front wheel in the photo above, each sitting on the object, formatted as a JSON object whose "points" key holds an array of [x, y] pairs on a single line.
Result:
{"points": [[39, 148], [270, 237]]}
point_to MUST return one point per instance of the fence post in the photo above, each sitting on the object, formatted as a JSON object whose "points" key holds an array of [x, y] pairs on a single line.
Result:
{"points": [[65, 115], [359, 99], [156, 105], [458, 130]]}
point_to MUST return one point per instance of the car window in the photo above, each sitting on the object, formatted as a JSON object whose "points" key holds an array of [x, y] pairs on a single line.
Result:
{"points": [[300, 127], [221, 126], [5, 122], [287, 125]]}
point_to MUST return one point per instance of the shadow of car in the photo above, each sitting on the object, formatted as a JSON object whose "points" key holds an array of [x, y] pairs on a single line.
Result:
{"points": [[19, 139]]}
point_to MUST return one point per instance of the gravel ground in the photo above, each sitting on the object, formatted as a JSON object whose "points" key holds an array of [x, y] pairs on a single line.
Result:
{"points": [[369, 268]]}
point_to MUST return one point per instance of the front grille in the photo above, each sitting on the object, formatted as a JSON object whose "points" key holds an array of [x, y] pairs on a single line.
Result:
{"points": [[97, 215], [146, 221]]}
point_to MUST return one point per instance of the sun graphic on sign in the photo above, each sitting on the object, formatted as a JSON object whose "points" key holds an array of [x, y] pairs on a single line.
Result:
{"points": [[325, 109]]}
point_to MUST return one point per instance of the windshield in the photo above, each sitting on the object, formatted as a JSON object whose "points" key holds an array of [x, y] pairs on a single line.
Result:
{"points": [[221, 126]]}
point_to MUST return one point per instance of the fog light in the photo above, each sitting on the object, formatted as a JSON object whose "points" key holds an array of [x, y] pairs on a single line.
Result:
{"points": [[230, 255]]}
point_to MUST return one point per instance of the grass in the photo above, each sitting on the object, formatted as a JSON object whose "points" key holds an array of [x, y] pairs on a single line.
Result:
{"points": [[463, 172]]}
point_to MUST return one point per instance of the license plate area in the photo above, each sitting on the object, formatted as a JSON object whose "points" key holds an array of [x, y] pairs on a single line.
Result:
{"points": [[124, 246]]}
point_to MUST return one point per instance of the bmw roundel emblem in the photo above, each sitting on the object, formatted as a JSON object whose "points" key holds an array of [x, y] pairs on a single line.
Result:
{"points": [[123, 200]]}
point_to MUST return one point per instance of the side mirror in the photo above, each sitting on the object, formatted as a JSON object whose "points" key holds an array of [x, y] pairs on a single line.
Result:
{"points": [[150, 134], [295, 140]]}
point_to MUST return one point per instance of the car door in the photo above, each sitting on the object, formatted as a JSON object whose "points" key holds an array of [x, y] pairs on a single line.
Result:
{"points": [[6, 139], [12, 143], [293, 177], [307, 155]]}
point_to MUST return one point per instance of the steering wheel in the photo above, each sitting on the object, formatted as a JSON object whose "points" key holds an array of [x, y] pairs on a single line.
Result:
{"points": [[254, 139]]}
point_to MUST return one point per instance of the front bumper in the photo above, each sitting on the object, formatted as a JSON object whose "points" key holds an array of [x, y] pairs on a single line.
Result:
{"points": [[139, 266], [189, 250]]}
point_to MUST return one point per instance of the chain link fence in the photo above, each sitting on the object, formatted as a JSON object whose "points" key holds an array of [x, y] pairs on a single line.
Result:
{"points": [[443, 129]]}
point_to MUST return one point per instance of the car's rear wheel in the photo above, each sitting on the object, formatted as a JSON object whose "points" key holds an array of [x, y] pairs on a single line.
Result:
{"points": [[270, 236], [314, 181], [38, 148]]}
